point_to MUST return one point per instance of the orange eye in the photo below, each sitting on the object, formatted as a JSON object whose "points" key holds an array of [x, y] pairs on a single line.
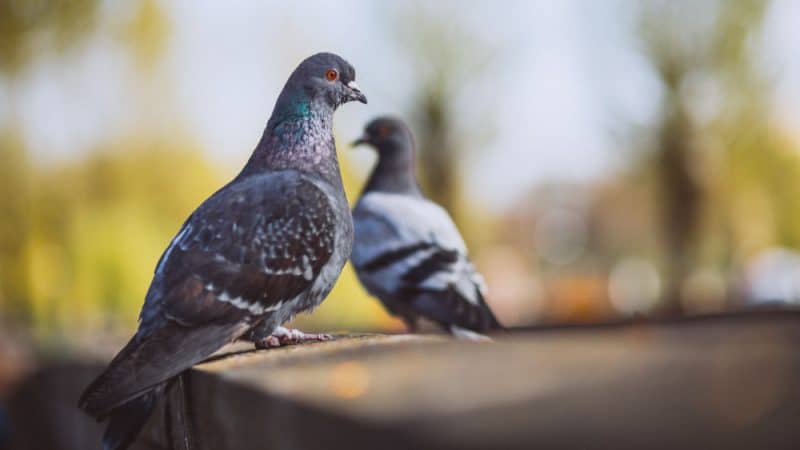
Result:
{"points": [[332, 75], [383, 131]]}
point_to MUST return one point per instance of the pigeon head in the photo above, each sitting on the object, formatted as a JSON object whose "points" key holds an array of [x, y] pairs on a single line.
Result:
{"points": [[299, 133], [388, 135], [393, 141], [323, 79]]}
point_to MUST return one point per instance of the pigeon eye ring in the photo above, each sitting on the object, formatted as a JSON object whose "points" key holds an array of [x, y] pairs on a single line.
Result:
{"points": [[331, 75]]}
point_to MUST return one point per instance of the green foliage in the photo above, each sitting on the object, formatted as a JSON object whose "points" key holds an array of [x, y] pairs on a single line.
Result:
{"points": [[728, 177], [95, 228], [447, 57], [15, 225], [29, 27], [146, 33]]}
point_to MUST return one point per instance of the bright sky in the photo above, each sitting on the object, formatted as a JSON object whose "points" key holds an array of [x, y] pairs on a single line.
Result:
{"points": [[568, 76]]}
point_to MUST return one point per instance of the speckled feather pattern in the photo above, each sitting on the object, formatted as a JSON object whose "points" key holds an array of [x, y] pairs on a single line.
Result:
{"points": [[254, 246], [307, 145]]}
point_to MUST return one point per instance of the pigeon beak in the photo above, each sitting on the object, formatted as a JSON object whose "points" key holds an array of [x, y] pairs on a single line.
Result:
{"points": [[360, 141], [355, 93]]}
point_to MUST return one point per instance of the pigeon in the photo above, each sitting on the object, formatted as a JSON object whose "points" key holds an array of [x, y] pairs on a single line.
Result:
{"points": [[266, 246], [408, 252]]}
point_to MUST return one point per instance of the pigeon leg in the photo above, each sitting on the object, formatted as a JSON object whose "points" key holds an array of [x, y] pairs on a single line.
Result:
{"points": [[282, 336]]}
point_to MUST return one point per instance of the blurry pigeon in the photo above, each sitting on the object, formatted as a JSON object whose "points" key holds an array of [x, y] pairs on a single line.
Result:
{"points": [[268, 245], [407, 250]]}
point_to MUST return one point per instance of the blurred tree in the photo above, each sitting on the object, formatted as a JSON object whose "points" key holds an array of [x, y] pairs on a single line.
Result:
{"points": [[761, 164], [35, 236], [713, 128], [446, 57], [29, 28], [15, 183], [80, 238], [95, 231], [146, 32]]}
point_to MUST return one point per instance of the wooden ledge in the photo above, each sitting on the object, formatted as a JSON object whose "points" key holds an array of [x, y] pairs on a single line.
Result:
{"points": [[726, 382]]}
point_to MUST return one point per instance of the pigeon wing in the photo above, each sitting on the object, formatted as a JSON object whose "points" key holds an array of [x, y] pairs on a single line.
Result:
{"points": [[259, 245], [248, 249], [396, 234], [408, 248]]}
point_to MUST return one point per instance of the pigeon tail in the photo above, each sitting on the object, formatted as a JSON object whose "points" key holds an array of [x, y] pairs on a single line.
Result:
{"points": [[150, 360], [492, 323], [94, 398], [451, 308], [126, 421]]}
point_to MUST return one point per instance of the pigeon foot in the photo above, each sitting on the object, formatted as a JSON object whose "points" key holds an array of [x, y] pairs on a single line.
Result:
{"points": [[283, 336]]}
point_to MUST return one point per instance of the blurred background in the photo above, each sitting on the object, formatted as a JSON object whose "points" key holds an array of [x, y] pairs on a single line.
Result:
{"points": [[603, 160]]}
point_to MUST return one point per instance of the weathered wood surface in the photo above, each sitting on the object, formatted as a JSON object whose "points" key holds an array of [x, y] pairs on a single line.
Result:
{"points": [[729, 383]]}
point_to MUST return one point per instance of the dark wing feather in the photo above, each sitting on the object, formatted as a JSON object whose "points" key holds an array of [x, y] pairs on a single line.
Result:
{"points": [[450, 307], [444, 286], [437, 260], [148, 361], [248, 249], [254, 246], [409, 253]]}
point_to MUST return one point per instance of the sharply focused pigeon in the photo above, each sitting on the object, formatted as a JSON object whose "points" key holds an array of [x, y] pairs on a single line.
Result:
{"points": [[407, 250], [268, 245]]}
